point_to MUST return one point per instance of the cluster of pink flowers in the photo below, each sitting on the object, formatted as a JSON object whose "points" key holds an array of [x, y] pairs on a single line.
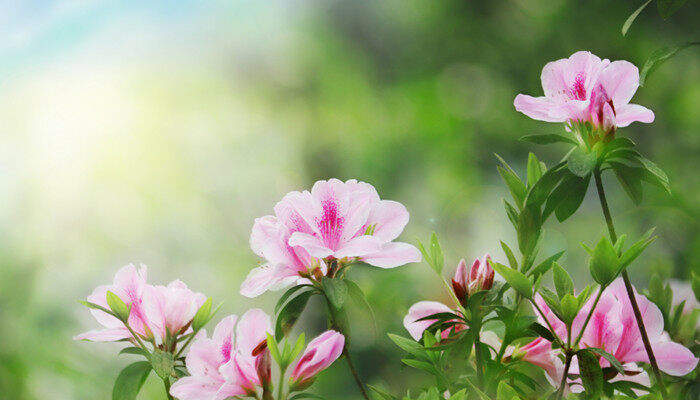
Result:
{"points": [[156, 312], [236, 361], [613, 328], [337, 221], [584, 88]]}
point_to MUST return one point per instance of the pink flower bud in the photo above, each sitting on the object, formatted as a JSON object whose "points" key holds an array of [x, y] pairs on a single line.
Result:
{"points": [[319, 354], [480, 277]]}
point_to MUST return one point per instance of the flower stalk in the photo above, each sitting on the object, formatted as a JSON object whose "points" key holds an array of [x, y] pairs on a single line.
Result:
{"points": [[628, 286]]}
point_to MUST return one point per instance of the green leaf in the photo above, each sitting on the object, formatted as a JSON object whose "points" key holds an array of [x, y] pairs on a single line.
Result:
{"points": [[569, 308], [529, 227], [274, 349], [695, 283], [298, 347], [591, 373], [669, 7], [163, 363], [288, 294], [202, 317], [513, 215], [630, 179], [604, 264], [505, 392], [433, 256], [515, 185], [581, 163], [130, 381], [306, 395], [516, 279], [95, 307], [541, 190], [545, 265], [562, 280], [567, 197], [659, 176], [359, 297], [632, 17], [422, 365], [509, 254], [636, 249], [408, 345], [336, 290], [534, 171], [136, 351], [290, 313], [611, 358], [547, 139], [659, 57], [381, 393], [118, 307]]}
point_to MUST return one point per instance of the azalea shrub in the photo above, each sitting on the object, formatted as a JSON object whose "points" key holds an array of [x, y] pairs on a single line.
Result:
{"points": [[506, 334]]}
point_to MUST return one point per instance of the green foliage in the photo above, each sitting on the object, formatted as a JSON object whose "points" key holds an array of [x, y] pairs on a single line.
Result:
{"points": [[591, 373], [516, 279], [290, 313], [118, 307], [162, 363], [604, 264], [581, 163], [433, 256], [336, 291], [130, 381]]}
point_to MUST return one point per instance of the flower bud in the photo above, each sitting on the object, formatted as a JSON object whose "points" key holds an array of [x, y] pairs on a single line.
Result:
{"points": [[319, 355], [480, 277]]}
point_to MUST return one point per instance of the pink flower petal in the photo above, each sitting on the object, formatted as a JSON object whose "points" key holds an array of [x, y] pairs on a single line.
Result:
{"points": [[312, 244], [194, 388], [389, 218], [620, 80], [359, 247], [539, 108], [251, 330], [393, 255], [628, 113], [674, 359]]}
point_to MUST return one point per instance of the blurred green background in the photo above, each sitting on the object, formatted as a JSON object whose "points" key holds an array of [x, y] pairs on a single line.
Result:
{"points": [[155, 132]]}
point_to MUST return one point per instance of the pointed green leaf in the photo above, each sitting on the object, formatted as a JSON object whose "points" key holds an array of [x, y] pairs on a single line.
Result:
{"points": [[118, 307], [516, 279], [659, 57], [336, 290], [130, 381], [604, 264], [562, 280], [202, 317], [632, 17], [290, 313]]}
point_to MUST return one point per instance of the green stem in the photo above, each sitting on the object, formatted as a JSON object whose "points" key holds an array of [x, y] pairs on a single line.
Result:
{"points": [[549, 325], [166, 383], [346, 348], [477, 357], [184, 346], [280, 386], [629, 288], [567, 365], [588, 317]]}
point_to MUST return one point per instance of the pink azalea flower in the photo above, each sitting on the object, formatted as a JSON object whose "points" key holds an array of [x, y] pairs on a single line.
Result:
{"points": [[170, 309], [335, 221], [320, 353], [585, 88], [203, 361], [480, 277], [246, 369], [613, 328], [424, 309], [539, 352], [129, 284]]}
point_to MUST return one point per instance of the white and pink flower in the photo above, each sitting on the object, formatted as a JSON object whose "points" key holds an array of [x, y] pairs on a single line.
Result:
{"points": [[479, 277], [336, 220], [320, 353], [416, 325], [584, 88], [228, 364]]}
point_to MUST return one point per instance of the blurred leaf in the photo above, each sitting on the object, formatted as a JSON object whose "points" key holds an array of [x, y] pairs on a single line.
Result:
{"points": [[547, 139], [528, 229], [288, 294], [290, 313], [118, 307], [381, 394], [669, 7], [567, 197], [515, 185], [135, 351], [336, 290], [562, 280], [359, 297], [505, 392], [632, 17], [604, 264], [581, 163], [162, 363], [611, 359], [659, 57], [630, 179], [509, 254], [202, 317], [534, 170], [130, 381], [591, 373], [636, 249], [569, 308], [516, 279], [545, 265], [695, 282]]}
